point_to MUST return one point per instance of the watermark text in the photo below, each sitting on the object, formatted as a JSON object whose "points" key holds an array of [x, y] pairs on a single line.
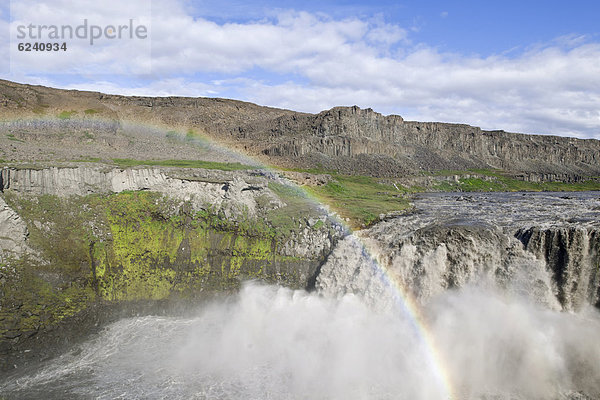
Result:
{"points": [[84, 31]]}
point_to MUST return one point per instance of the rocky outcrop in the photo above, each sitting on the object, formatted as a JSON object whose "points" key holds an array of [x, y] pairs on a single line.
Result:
{"points": [[13, 232], [348, 132], [233, 193]]}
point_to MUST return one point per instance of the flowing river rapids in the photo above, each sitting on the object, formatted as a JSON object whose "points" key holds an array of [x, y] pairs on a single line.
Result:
{"points": [[482, 296]]}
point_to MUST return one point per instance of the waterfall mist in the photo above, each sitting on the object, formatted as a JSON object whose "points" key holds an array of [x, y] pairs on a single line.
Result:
{"points": [[273, 343]]}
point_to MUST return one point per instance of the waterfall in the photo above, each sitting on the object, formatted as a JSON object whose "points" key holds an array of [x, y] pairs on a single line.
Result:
{"points": [[502, 290], [452, 244], [433, 259], [572, 257]]}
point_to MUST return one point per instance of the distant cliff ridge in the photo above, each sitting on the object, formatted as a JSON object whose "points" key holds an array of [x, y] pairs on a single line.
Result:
{"points": [[348, 139], [351, 133]]}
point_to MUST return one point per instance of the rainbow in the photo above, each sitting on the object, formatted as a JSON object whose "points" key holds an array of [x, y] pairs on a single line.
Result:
{"points": [[406, 302], [403, 299]]}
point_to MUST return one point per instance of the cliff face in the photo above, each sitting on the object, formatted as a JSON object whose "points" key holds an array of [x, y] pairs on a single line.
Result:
{"points": [[348, 139], [349, 132], [74, 239], [234, 194]]}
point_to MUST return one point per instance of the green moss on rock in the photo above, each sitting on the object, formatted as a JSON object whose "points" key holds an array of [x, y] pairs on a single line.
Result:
{"points": [[30, 302], [132, 246]]}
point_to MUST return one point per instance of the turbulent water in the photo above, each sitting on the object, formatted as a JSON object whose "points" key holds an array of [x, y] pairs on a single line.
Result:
{"points": [[505, 285]]}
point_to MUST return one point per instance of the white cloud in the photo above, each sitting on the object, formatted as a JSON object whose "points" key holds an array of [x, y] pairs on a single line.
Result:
{"points": [[106, 56], [386, 34], [549, 88]]}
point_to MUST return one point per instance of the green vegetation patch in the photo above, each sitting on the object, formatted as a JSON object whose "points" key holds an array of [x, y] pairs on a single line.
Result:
{"points": [[144, 246], [157, 253], [90, 111], [66, 114], [12, 137], [89, 159], [361, 199], [127, 162], [30, 302], [191, 135], [498, 181]]}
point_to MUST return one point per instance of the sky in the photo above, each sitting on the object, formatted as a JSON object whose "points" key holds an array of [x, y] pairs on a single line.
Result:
{"points": [[522, 66]]}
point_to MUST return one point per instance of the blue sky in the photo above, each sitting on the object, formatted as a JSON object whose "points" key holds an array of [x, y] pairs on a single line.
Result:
{"points": [[527, 66], [476, 26]]}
